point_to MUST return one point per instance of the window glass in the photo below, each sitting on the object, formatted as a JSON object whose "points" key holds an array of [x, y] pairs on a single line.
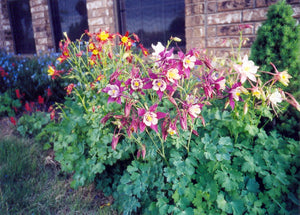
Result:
{"points": [[21, 24], [68, 16], [153, 20]]}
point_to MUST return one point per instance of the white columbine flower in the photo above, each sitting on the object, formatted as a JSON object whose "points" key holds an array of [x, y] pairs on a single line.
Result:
{"points": [[150, 118], [113, 91], [189, 62], [159, 84], [275, 98], [172, 75], [157, 49], [247, 69], [136, 84], [194, 110]]}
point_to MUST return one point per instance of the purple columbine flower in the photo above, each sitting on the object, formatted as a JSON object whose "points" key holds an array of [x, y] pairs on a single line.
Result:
{"points": [[234, 94], [114, 91]]}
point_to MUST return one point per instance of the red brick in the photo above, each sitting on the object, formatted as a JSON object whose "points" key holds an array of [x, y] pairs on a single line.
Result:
{"points": [[225, 30], [259, 14], [265, 3], [223, 18], [296, 11], [211, 7], [211, 31], [235, 4], [194, 20], [194, 9]]}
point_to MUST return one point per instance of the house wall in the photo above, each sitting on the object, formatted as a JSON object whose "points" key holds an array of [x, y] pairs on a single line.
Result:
{"points": [[6, 38], [41, 25], [209, 23], [214, 24]]}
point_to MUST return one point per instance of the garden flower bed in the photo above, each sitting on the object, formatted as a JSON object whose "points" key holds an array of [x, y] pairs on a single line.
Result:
{"points": [[168, 132]]}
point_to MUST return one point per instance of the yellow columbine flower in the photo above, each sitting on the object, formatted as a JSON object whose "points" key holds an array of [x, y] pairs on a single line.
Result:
{"points": [[124, 39], [283, 77], [103, 35], [51, 70]]}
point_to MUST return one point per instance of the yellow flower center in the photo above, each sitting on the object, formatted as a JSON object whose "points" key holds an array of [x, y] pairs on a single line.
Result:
{"points": [[238, 93], [103, 35], [187, 61], [158, 84], [124, 39], [91, 46], [95, 52], [149, 118], [256, 93], [136, 84]]}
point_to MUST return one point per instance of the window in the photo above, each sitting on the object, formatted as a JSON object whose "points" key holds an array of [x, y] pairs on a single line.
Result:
{"points": [[153, 20], [68, 16], [21, 25]]}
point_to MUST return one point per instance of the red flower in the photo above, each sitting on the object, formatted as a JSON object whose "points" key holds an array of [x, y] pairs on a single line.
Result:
{"points": [[12, 120], [49, 92], [27, 107], [18, 93], [40, 100], [2, 72], [69, 88]]}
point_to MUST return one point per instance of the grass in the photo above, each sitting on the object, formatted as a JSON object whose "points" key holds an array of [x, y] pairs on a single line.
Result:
{"points": [[31, 183]]}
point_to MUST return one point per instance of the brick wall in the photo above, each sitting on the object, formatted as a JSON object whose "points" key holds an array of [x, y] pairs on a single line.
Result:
{"points": [[213, 24], [41, 25], [6, 38], [101, 15]]}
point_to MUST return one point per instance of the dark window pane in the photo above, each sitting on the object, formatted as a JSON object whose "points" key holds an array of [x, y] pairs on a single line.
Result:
{"points": [[153, 20], [68, 16], [21, 23]]}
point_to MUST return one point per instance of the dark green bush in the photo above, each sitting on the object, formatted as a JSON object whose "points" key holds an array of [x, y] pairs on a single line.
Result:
{"points": [[278, 41]]}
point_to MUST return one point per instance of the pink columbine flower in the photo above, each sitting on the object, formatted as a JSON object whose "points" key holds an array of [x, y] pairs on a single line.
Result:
{"points": [[247, 69], [150, 117], [114, 91]]}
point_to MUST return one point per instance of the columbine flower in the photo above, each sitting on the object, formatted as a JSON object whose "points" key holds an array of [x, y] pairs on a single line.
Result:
{"points": [[283, 77], [275, 98], [114, 91], [159, 84], [53, 72], [103, 36], [247, 69], [157, 49], [191, 99], [69, 88], [173, 74], [189, 62], [136, 83], [256, 92], [234, 94], [194, 110], [150, 117]]}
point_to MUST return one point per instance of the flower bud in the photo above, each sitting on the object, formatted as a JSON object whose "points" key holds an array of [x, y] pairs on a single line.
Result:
{"points": [[245, 108], [176, 39]]}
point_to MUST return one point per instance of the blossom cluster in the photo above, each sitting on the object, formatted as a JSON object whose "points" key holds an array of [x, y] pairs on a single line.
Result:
{"points": [[188, 81]]}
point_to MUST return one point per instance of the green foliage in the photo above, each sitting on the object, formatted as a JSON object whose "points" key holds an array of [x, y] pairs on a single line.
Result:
{"points": [[7, 103], [278, 41], [31, 125], [233, 168]]}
